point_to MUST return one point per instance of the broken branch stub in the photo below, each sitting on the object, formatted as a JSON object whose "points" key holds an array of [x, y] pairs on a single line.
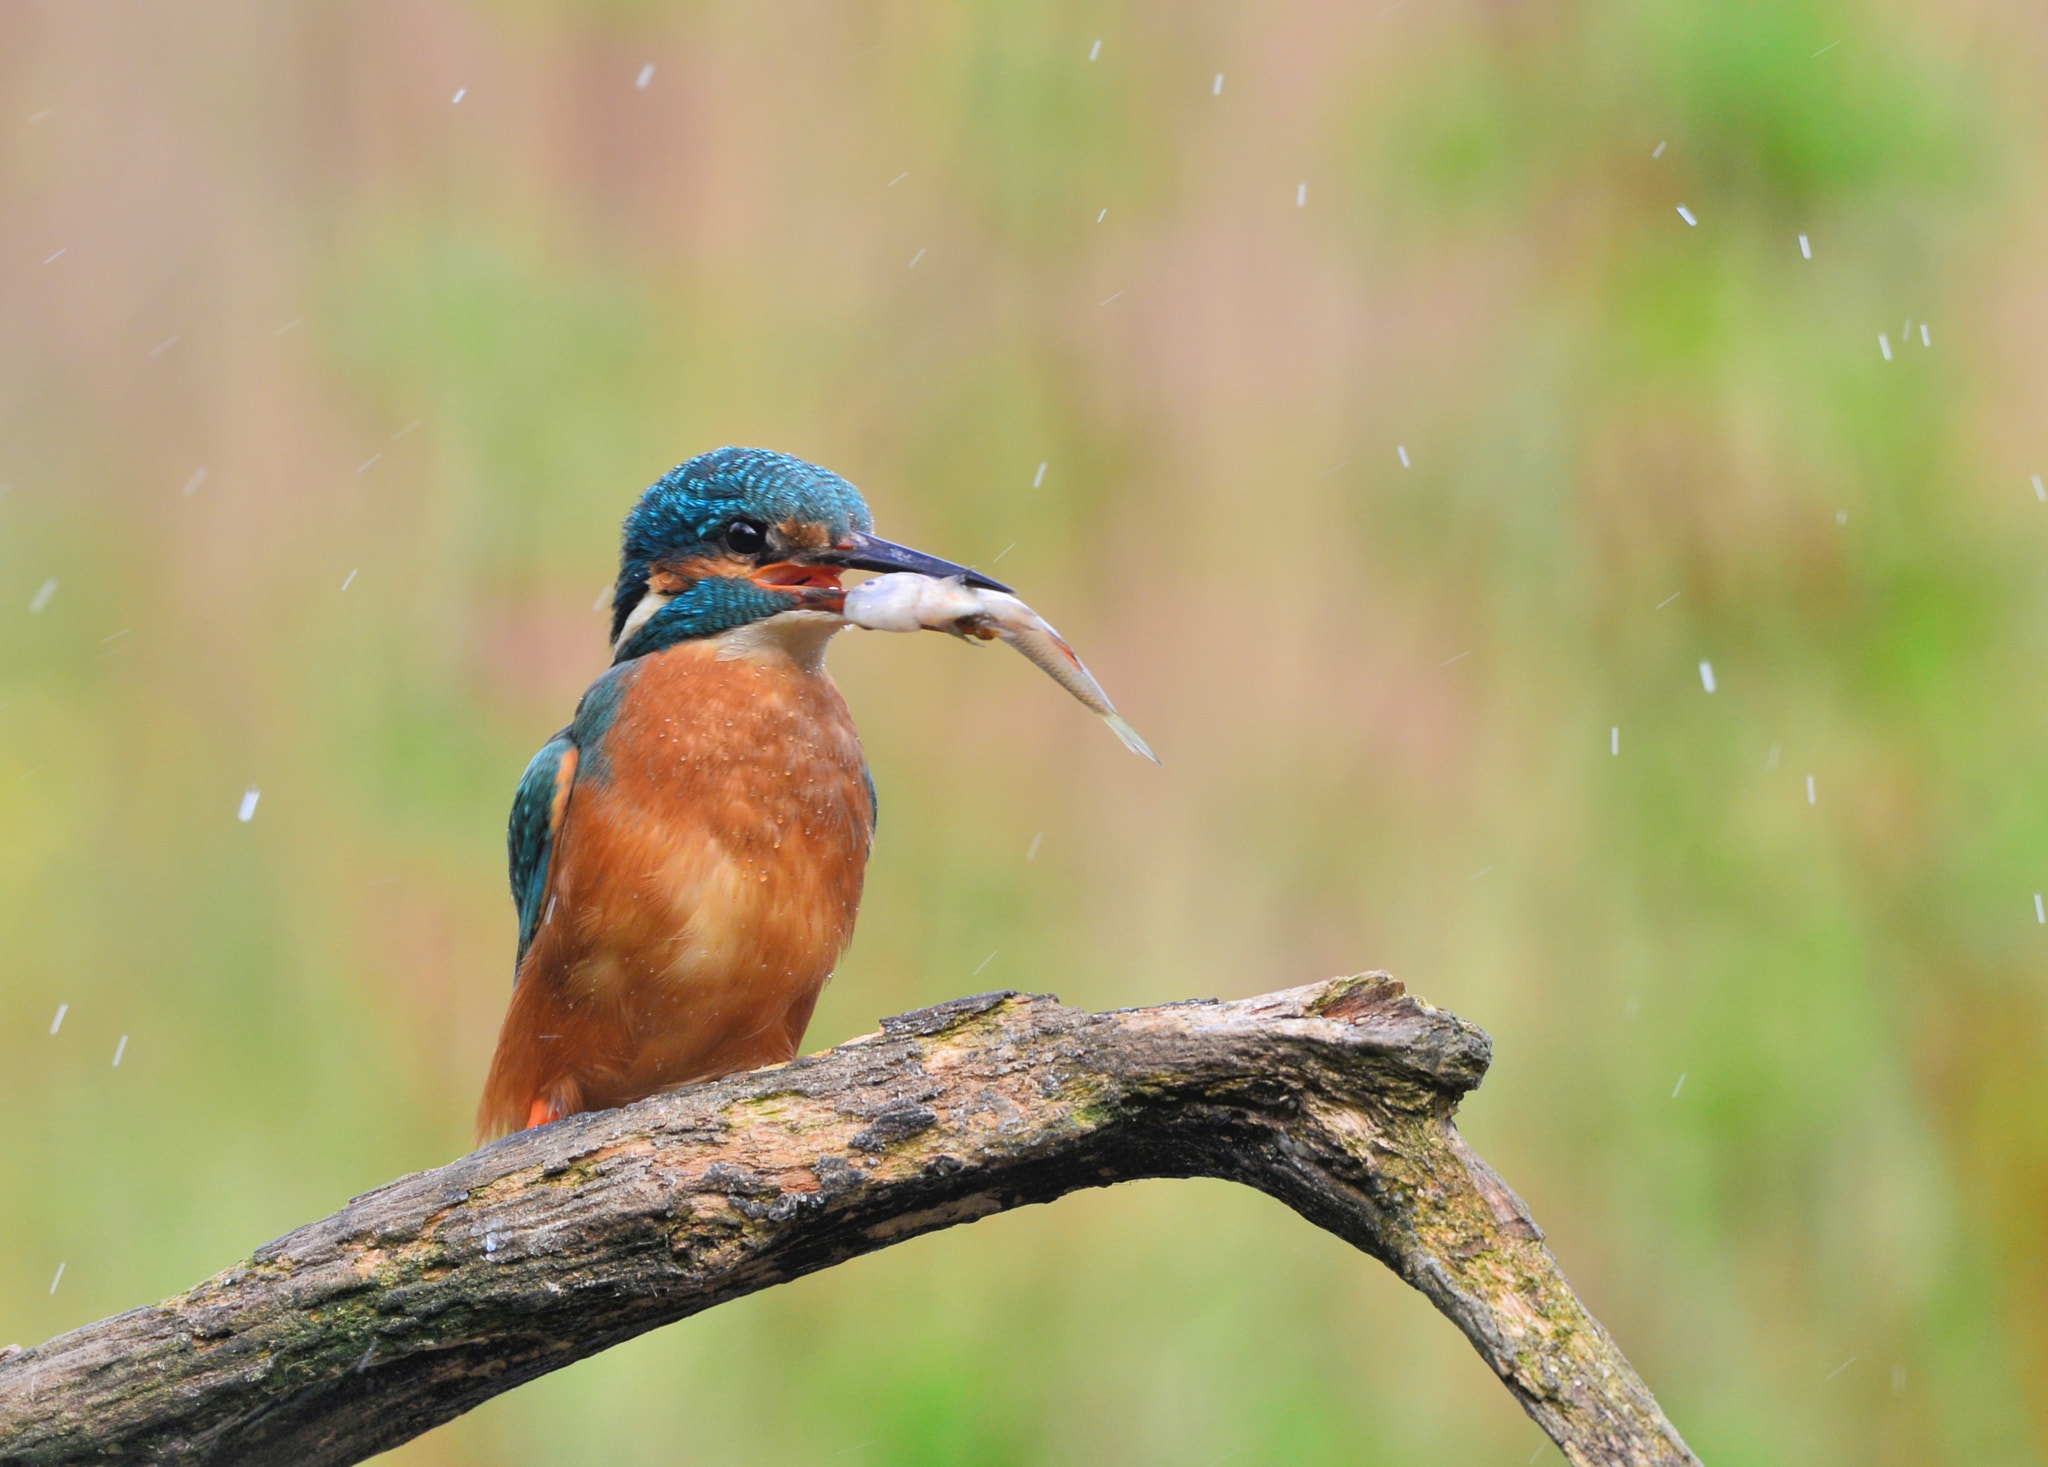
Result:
{"points": [[429, 1295]]}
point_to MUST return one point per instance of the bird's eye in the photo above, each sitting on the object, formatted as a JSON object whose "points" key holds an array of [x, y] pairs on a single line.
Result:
{"points": [[744, 537]]}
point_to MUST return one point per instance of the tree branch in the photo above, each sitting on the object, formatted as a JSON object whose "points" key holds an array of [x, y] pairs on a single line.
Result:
{"points": [[427, 1296]]}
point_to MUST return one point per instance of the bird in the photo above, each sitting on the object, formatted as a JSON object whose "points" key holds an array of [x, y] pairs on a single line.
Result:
{"points": [[687, 854]]}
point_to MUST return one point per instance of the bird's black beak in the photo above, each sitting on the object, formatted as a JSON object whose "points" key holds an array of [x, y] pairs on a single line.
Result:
{"points": [[865, 552]]}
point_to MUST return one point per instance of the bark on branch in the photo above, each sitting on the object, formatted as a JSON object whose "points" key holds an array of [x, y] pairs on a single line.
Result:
{"points": [[427, 1296]]}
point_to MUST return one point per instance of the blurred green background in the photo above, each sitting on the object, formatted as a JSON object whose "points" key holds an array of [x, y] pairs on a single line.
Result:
{"points": [[322, 392]]}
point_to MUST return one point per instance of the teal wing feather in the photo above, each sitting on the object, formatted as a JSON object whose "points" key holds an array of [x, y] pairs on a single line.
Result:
{"points": [[530, 837]]}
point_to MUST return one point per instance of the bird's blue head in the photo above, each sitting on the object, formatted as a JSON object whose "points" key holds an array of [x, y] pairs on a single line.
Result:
{"points": [[738, 535]]}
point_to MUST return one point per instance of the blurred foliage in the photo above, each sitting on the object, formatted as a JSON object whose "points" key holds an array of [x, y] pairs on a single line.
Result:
{"points": [[1380, 507]]}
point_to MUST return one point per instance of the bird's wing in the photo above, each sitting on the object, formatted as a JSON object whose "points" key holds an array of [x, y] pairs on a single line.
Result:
{"points": [[537, 812]]}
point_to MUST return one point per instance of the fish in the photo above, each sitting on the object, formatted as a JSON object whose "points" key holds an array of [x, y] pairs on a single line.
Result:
{"points": [[904, 601]]}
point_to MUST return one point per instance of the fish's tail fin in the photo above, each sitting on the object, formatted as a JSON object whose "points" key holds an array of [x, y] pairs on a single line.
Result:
{"points": [[1121, 727]]}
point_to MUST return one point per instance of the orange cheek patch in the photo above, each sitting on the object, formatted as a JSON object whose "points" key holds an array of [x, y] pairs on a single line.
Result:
{"points": [[804, 535], [673, 577], [676, 577]]}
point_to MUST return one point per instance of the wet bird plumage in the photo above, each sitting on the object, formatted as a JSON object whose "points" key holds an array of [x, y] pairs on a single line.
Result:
{"points": [[687, 856]]}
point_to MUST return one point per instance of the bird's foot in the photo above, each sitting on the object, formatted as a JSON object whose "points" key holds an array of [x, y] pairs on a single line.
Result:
{"points": [[542, 1112]]}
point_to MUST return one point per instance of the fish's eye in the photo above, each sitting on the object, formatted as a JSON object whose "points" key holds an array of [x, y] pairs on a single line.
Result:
{"points": [[744, 537]]}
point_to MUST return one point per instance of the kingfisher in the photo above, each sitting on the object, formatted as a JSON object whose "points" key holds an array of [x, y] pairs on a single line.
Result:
{"points": [[687, 855]]}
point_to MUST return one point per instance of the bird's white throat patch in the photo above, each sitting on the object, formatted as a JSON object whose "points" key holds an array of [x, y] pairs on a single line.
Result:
{"points": [[650, 603], [799, 636]]}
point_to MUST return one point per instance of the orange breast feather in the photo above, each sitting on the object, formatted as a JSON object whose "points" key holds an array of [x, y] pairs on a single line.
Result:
{"points": [[703, 883]]}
